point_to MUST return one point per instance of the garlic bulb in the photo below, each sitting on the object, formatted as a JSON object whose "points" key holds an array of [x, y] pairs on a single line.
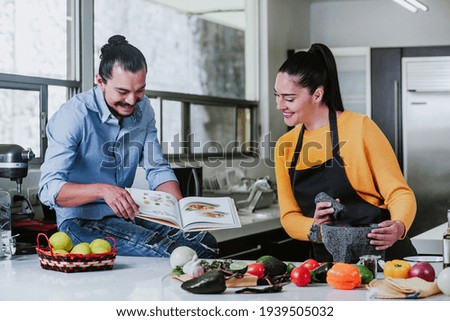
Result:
{"points": [[193, 268]]}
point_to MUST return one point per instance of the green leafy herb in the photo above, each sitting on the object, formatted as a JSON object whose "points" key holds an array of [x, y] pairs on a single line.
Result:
{"points": [[216, 265], [177, 271]]}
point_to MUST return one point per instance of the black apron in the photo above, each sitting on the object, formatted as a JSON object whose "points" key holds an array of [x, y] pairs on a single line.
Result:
{"points": [[330, 177]]}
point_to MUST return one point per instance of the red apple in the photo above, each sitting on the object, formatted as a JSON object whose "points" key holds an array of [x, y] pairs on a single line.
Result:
{"points": [[423, 270]]}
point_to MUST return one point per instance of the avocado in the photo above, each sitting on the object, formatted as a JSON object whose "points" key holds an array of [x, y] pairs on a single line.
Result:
{"points": [[273, 265]]}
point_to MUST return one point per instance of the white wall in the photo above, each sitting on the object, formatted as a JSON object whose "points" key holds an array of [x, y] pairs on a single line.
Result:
{"points": [[379, 23], [283, 25]]}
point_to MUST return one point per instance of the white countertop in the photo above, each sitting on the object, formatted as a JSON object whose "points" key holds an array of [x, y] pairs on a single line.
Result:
{"points": [[430, 242], [138, 279]]}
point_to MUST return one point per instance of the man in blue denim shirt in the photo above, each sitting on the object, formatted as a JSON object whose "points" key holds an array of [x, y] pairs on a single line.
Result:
{"points": [[95, 142]]}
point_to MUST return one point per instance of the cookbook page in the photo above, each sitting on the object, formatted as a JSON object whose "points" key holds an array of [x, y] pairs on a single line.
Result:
{"points": [[208, 213], [154, 204]]}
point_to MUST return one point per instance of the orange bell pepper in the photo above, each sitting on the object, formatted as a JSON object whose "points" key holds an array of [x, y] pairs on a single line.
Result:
{"points": [[396, 269], [343, 276]]}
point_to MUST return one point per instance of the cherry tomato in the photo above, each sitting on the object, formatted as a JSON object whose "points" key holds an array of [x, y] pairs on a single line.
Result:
{"points": [[256, 269], [310, 264], [300, 276]]}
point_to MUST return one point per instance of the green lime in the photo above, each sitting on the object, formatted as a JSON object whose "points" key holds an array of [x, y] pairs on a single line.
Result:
{"points": [[238, 267]]}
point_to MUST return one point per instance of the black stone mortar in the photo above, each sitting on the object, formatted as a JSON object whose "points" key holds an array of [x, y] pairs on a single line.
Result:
{"points": [[339, 209], [345, 243]]}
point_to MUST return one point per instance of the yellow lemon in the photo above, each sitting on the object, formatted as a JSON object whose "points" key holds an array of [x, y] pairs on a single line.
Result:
{"points": [[100, 246], [61, 241], [100, 249], [81, 248], [60, 251]]}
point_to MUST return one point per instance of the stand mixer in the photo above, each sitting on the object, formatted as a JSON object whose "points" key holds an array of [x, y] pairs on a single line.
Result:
{"points": [[14, 163]]}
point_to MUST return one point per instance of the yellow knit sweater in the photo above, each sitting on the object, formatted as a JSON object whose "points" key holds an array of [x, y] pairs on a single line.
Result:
{"points": [[370, 164]]}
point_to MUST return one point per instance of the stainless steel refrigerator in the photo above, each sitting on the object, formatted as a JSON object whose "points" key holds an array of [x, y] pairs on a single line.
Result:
{"points": [[426, 137]]}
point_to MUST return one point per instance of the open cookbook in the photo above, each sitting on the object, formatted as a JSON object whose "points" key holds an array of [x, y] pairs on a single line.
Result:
{"points": [[189, 214]]}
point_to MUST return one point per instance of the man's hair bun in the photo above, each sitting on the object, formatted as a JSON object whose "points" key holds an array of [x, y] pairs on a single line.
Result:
{"points": [[114, 41], [117, 40]]}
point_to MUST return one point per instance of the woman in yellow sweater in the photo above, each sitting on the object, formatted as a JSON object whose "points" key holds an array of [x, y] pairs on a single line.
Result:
{"points": [[339, 152]]}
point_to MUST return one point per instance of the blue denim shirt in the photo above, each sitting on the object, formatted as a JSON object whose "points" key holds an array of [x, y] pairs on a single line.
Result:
{"points": [[86, 144]]}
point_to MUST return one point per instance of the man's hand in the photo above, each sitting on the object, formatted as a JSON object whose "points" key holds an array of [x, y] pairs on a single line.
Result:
{"points": [[387, 233], [120, 201], [171, 187], [117, 198]]}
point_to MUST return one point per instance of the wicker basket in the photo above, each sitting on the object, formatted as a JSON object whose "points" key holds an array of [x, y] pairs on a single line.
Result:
{"points": [[74, 262]]}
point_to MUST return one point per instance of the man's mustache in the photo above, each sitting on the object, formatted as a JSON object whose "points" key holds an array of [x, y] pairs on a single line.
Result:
{"points": [[126, 104], [122, 104]]}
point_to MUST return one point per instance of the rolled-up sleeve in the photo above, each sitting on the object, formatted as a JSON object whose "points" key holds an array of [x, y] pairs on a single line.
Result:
{"points": [[157, 168], [63, 131]]}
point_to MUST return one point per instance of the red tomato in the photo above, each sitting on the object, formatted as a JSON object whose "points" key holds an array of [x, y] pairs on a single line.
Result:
{"points": [[256, 269], [300, 276], [310, 264]]}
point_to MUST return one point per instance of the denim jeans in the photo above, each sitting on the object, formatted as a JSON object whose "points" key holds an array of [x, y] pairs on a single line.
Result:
{"points": [[143, 238]]}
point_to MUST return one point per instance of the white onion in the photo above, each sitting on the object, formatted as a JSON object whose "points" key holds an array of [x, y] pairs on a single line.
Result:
{"points": [[181, 255], [443, 281]]}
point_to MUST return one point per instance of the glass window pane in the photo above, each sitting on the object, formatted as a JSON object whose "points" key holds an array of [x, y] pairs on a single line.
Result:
{"points": [[172, 140], [352, 81], [244, 135], [193, 55], [34, 38], [156, 104], [19, 116], [56, 97], [213, 129]]}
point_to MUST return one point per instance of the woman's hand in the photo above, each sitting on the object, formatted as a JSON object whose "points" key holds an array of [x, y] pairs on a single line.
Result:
{"points": [[324, 213], [120, 201], [387, 233]]}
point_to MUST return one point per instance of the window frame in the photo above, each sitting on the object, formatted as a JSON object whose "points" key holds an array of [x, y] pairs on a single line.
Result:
{"points": [[186, 101], [40, 85]]}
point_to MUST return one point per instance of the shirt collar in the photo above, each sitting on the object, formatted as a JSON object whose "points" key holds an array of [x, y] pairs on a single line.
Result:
{"points": [[105, 113]]}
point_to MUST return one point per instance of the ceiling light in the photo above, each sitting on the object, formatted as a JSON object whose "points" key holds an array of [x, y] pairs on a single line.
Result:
{"points": [[418, 4], [406, 5], [411, 5]]}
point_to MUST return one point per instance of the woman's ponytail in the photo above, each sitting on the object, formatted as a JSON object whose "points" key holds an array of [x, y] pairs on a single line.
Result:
{"points": [[332, 95]]}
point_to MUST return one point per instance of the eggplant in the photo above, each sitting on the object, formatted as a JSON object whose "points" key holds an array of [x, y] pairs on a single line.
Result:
{"points": [[211, 282], [319, 274]]}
